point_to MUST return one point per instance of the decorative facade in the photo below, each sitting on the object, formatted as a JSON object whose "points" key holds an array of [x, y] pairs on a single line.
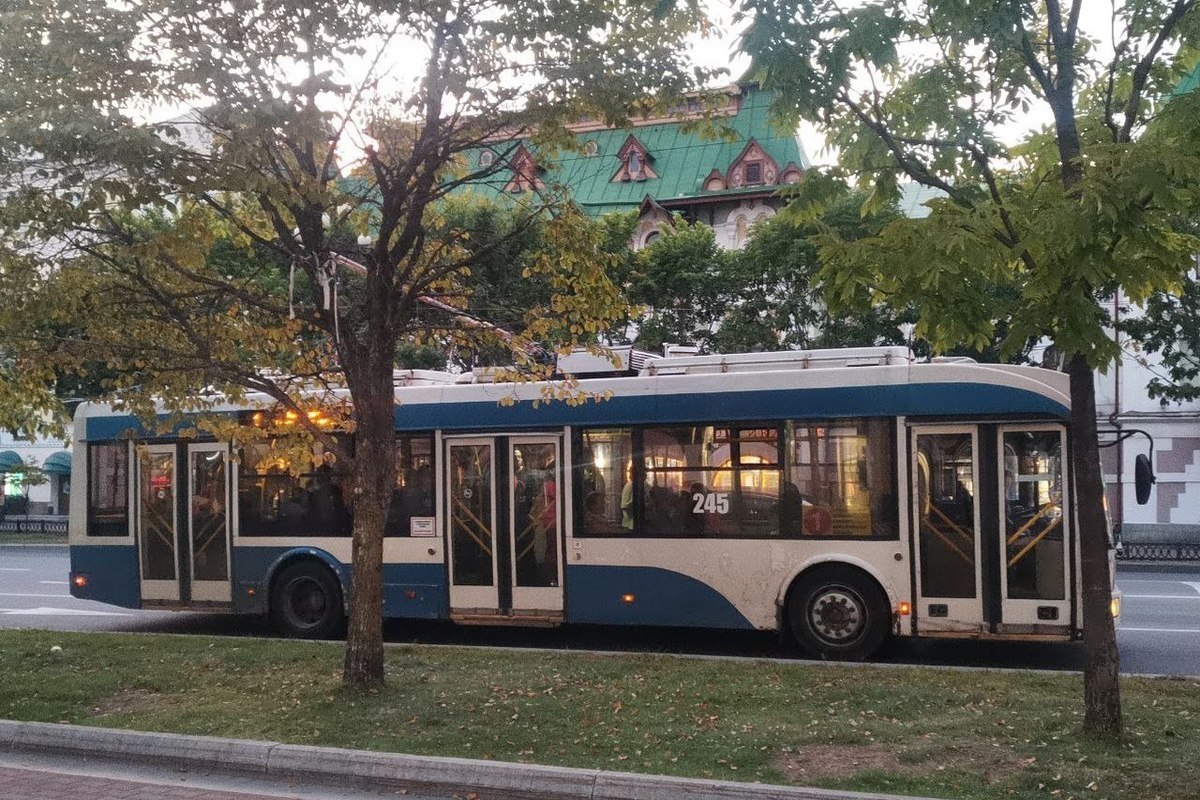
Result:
{"points": [[728, 178]]}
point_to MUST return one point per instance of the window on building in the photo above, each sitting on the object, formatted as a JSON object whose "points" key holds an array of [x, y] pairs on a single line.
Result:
{"points": [[279, 497], [753, 173], [108, 489], [413, 506], [635, 164], [486, 158], [591, 148]]}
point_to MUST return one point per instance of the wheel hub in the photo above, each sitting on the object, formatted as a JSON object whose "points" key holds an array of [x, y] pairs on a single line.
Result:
{"points": [[308, 602], [837, 615]]}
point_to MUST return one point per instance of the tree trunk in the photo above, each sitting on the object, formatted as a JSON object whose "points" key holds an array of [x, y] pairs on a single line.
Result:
{"points": [[1101, 690], [374, 476]]}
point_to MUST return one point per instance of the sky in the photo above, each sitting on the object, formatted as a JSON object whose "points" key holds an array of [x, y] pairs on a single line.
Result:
{"points": [[720, 51], [1095, 21]]}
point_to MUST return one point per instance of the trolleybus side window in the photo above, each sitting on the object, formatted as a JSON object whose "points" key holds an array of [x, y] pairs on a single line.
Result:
{"points": [[837, 479], [273, 500], [411, 510], [711, 481], [108, 489], [604, 481], [844, 471]]}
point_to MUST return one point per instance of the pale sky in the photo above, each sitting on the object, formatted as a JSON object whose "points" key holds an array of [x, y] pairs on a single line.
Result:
{"points": [[1095, 22]]}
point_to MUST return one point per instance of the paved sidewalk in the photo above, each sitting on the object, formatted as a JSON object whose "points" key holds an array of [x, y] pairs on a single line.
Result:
{"points": [[29, 784], [42, 776]]}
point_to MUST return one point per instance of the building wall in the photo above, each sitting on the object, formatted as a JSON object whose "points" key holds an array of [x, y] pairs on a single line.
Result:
{"points": [[1123, 403], [44, 498]]}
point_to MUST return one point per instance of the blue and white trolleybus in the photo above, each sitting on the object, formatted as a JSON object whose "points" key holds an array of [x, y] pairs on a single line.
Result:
{"points": [[842, 496]]}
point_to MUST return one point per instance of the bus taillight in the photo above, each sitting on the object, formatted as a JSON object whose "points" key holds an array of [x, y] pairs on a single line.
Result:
{"points": [[79, 580]]}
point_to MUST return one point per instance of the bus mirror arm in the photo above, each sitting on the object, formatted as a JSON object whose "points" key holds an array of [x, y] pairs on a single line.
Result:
{"points": [[1143, 471]]}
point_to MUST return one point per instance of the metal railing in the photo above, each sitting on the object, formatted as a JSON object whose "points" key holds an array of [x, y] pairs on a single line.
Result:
{"points": [[1154, 551], [32, 525]]}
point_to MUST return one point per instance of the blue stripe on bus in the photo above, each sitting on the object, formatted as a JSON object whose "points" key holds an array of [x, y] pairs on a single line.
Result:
{"points": [[911, 400], [418, 591], [660, 597], [112, 573], [414, 591]]}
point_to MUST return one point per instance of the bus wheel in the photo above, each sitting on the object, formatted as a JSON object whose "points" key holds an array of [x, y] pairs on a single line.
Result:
{"points": [[838, 613], [306, 602]]}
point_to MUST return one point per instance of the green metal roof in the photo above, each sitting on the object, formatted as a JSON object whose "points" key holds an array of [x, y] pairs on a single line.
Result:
{"points": [[1189, 83], [682, 159]]}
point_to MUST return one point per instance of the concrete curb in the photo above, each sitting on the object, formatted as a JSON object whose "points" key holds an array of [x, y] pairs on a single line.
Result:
{"points": [[1173, 567], [491, 780]]}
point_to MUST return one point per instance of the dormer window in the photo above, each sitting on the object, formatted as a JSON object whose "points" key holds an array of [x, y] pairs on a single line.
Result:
{"points": [[635, 162], [526, 173], [754, 167], [487, 158]]}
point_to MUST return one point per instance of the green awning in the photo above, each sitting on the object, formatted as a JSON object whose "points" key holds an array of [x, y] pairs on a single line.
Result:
{"points": [[10, 461], [58, 463]]}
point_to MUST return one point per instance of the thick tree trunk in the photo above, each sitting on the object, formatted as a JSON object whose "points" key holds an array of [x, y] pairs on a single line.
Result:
{"points": [[374, 476], [1101, 690]]}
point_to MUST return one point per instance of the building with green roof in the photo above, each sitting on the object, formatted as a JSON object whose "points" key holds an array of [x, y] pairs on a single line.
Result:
{"points": [[669, 165]]}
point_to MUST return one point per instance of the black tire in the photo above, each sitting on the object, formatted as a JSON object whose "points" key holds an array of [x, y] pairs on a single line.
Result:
{"points": [[306, 602], [838, 613]]}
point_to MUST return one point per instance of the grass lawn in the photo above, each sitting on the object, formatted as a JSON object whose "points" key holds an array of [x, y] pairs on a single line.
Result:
{"points": [[930, 732]]}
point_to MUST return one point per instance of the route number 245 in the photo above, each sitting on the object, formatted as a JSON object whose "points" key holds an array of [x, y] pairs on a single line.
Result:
{"points": [[710, 503]]}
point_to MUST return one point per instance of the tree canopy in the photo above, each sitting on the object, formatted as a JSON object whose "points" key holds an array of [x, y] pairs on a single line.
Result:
{"points": [[1063, 161], [177, 205]]}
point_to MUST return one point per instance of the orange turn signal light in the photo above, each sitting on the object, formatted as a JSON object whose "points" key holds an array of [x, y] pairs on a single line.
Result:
{"points": [[80, 580], [904, 609], [627, 598]]}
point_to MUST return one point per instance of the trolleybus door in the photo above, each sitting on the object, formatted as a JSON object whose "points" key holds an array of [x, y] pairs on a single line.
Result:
{"points": [[1035, 534], [471, 524], [504, 505], [208, 522], [534, 523], [158, 522], [944, 472]]}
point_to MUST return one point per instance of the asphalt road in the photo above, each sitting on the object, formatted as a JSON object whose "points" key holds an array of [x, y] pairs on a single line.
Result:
{"points": [[1159, 633]]}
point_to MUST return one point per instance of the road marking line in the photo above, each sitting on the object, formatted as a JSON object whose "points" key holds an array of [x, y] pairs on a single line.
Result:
{"points": [[1158, 630], [1194, 584], [22, 594], [15, 569], [62, 612], [1163, 596], [61, 582]]}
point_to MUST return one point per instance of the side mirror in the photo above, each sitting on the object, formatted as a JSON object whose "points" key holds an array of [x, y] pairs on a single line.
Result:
{"points": [[1143, 478]]}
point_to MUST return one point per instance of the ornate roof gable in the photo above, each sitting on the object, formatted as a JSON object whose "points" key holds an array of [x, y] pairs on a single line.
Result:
{"points": [[526, 173], [754, 167], [635, 162]]}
